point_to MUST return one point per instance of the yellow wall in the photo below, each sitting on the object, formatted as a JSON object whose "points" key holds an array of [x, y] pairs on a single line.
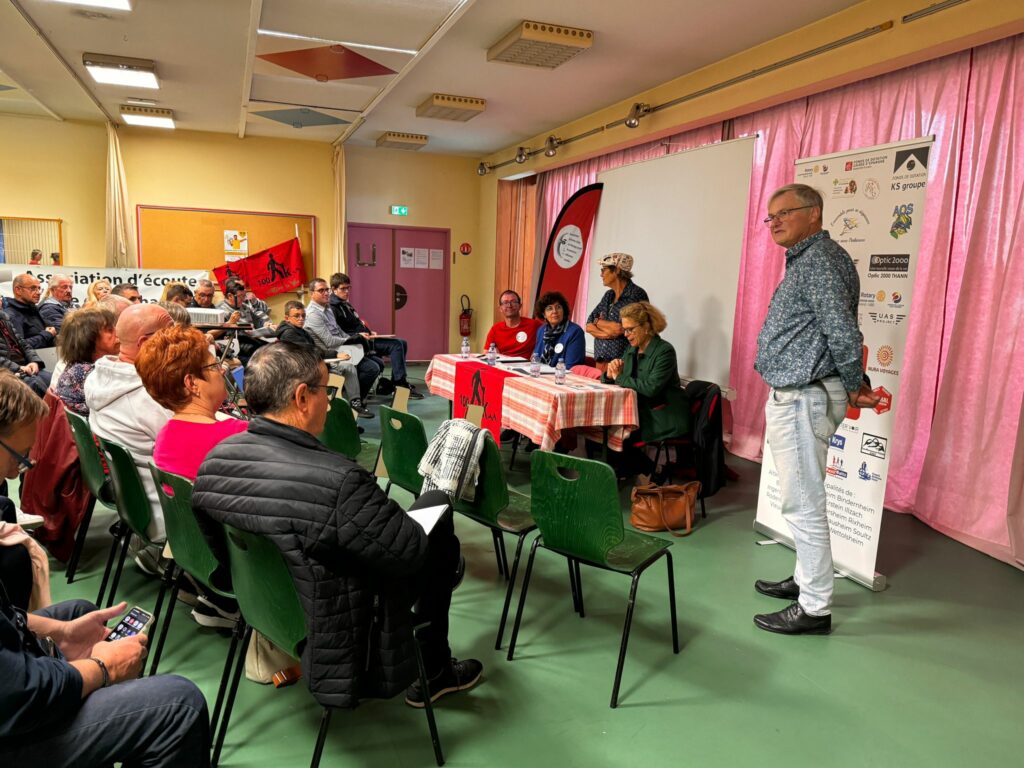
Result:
{"points": [[57, 170], [442, 192]]}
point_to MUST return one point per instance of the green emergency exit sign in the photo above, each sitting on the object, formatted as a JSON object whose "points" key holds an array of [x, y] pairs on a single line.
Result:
{"points": [[399, 210]]}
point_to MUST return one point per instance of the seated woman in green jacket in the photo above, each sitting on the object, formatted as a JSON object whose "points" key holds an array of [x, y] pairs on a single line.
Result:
{"points": [[649, 367]]}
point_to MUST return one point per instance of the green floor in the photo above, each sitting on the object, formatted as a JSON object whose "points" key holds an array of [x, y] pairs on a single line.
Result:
{"points": [[928, 673]]}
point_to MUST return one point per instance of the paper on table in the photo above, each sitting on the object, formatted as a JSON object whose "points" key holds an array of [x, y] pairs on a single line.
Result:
{"points": [[427, 517], [545, 370]]}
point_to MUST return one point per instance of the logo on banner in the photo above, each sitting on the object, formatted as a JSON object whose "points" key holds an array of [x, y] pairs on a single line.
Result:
{"points": [[851, 219], [902, 220], [896, 300], [872, 189], [866, 162], [568, 246], [838, 442], [844, 188], [836, 468], [873, 445], [887, 318], [884, 400], [866, 474], [867, 299], [885, 355], [880, 296], [889, 265], [908, 160]]}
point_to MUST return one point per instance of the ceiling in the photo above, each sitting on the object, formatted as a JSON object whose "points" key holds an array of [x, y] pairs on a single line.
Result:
{"points": [[375, 59]]}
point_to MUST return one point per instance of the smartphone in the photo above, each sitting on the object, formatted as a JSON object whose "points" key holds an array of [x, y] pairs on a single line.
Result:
{"points": [[132, 623]]}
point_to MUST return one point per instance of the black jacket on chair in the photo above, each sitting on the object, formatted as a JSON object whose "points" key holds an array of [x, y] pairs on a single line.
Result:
{"points": [[352, 553]]}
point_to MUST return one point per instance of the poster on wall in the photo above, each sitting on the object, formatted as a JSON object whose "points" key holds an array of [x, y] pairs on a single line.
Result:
{"points": [[406, 258], [874, 204], [436, 258], [150, 282], [236, 244]]}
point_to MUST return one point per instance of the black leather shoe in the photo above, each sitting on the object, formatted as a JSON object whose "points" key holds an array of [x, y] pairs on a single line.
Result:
{"points": [[786, 589], [793, 621]]}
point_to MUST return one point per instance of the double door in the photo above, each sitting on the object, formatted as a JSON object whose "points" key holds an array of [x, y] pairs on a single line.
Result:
{"points": [[400, 283]]}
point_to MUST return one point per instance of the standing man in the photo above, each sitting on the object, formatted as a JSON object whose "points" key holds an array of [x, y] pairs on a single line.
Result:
{"points": [[57, 302], [350, 322], [25, 315], [515, 336], [809, 353]]}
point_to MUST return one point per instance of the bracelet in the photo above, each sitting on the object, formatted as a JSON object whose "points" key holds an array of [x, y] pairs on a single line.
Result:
{"points": [[104, 670]]}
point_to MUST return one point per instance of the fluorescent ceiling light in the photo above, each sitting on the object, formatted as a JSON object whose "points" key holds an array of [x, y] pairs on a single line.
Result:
{"points": [[113, 5], [367, 46], [151, 117], [120, 70], [141, 102]]}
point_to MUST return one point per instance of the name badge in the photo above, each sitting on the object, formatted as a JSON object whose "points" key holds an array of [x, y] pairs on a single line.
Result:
{"points": [[559, 348], [521, 337]]}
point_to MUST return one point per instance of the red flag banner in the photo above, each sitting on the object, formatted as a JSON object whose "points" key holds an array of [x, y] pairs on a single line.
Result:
{"points": [[271, 271], [483, 385], [567, 244]]}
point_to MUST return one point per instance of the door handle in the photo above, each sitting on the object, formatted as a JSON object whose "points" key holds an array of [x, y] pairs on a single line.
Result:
{"points": [[373, 256], [401, 297]]}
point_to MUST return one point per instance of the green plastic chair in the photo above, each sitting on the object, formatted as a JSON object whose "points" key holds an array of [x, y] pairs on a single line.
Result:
{"points": [[502, 511], [580, 519], [270, 605], [133, 509], [96, 480], [403, 442], [340, 431], [192, 556]]}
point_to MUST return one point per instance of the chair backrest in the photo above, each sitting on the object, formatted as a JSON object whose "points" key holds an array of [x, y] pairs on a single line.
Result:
{"points": [[132, 501], [187, 542], [579, 516], [265, 590], [340, 431], [89, 458], [491, 495], [403, 443]]}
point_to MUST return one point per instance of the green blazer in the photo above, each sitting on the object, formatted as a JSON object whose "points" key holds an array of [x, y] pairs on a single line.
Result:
{"points": [[654, 375]]}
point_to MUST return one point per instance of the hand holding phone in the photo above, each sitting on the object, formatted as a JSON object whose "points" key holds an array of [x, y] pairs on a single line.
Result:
{"points": [[135, 622]]}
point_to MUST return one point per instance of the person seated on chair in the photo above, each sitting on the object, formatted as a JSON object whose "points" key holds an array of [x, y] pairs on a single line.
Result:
{"points": [[86, 336], [19, 358], [127, 291], [57, 301], [98, 290], [649, 368], [560, 339], [70, 698], [351, 323], [359, 563], [515, 335], [25, 315], [239, 311], [178, 293]]}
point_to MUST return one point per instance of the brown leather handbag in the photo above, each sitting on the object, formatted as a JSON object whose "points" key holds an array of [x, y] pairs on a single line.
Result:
{"points": [[664, 507]]}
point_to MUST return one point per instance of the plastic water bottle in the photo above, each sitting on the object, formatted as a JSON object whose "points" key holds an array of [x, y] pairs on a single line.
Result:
{"points": [[465, 347], [535, 365], [560, 372], [492, 354]]}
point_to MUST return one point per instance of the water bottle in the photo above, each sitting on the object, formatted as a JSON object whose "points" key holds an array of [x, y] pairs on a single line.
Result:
{"points": [[465, 347], [560, 372], [535, 365], [492, 355]]}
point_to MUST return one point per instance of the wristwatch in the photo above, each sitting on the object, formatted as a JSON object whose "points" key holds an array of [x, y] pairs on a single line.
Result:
{"points": [[103, 669]]}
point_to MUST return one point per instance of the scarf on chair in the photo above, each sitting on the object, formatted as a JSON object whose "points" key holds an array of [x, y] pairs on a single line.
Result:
{"points": [[552, 333]]}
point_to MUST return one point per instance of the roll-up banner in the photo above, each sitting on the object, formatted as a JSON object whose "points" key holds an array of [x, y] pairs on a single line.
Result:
{"points": [[874, 205], [567, 244], [150, 282]]}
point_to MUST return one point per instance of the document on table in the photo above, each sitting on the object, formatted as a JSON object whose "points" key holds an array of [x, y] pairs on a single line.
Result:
{"points": [[545, 370], [427, 517]]}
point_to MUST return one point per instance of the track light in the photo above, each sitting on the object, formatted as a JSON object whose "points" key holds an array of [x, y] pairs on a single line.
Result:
{"points": [[521, 155], [637, 111], [483, 169], [551, 146]]}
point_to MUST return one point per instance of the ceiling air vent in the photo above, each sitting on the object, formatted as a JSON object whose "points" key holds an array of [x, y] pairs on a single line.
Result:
{"points": [[537, 44], [398, 140], [444, 107]]}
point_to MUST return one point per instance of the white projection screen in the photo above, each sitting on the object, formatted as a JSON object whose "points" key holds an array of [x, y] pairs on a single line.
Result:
{"points": [[682, 218]]}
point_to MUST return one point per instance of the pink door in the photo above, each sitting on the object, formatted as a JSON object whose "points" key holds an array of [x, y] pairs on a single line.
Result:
{"points": [[371, 267], [421, 290]]}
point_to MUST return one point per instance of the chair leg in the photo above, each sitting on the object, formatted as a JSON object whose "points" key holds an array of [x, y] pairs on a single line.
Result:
{"points": [[522, 598], [83, 531], [625, 639], [236, 634], [165, 581], [115, 532], [120, 567], [515, 448], [321, 737], [572, 586], [672, 601], [508, 592], [579, 586], [158, 651], [498, 546], [222, 731], [504, 554], [427, 704]]}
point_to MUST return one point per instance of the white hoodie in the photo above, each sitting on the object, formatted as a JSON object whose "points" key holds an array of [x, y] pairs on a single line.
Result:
{"points": [[120, 409]]}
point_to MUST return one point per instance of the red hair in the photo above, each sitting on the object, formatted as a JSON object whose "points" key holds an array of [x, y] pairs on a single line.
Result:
{"points": [[166, 358]]}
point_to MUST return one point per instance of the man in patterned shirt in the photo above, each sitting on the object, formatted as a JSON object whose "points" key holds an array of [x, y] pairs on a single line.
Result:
{"points": [[809, 353]]}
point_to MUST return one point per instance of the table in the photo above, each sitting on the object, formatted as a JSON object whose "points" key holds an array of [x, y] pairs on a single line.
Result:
{"points": [[541, 409]]}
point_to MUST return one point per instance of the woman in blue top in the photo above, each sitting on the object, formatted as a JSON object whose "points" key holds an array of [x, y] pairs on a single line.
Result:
{"points": [[559, 338]]}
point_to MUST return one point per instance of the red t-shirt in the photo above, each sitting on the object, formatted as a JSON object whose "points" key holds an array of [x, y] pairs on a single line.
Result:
{"points": [[515, 342], [181, 446]]}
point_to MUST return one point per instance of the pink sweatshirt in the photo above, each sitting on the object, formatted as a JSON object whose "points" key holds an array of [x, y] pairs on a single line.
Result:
{"points": [[181, 446]]}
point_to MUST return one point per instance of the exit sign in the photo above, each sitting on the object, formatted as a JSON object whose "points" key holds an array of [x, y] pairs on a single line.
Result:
{"points": [[399, 210]]}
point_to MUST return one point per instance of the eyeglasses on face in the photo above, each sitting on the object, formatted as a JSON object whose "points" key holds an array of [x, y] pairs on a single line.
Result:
{"points": [[328, 388], [509, 303], [297, 316], [784, 214], [325, 289], [629, 330], [24, 462], [216, 366]]}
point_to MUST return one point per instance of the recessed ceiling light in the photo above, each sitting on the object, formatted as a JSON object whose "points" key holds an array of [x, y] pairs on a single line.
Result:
{"points": [[151, 117], [120, 70], [367, 46], [141, 102], [114, 5]]}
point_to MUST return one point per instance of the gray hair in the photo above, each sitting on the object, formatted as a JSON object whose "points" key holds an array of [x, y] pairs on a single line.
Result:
{"points": [[205, 284], [178, 313], [805, 194], [18, 404], [275, 372]]}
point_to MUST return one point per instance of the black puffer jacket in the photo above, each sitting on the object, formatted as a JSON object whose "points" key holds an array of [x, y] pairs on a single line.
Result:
{"points": [[5, 347], [352, 553]]}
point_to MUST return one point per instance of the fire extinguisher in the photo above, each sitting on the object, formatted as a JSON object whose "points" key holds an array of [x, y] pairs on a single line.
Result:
{"points": [[465, 317]]}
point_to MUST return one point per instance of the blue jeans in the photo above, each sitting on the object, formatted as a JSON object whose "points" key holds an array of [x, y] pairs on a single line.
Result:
{"points": [[152, 721], [799, 422], [396, 350]]}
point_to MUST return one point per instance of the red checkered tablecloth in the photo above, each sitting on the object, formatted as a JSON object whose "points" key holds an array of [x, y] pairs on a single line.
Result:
{"points": [[541, 409]]}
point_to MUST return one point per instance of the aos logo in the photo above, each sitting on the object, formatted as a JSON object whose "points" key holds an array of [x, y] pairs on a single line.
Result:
{"points": [[902, 220]]}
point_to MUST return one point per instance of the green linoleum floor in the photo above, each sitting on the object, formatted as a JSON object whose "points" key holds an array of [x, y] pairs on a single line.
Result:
{"points": [[928, 673]]}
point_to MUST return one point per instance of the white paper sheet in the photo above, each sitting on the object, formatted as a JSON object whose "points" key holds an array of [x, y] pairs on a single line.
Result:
{"points": [[427, 517]]}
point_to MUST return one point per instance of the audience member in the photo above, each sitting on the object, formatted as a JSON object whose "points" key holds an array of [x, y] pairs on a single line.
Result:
{"points": [[358, 562], [98, 290], [515, 335], [25, 315], [202, 298], [234, 304], [87, 335], [179, 315], [259, 308], [128, 291], [20, 359], [603, 323], [178, 293], [35, 259], [561, 339], [57, 301]]}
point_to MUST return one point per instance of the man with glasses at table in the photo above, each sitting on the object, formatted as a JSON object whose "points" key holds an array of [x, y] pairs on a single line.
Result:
{"points": [[809, 353], [515, 335]]}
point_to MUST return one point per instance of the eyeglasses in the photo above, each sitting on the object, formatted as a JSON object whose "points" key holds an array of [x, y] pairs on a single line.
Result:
{"points": [[513, 303], [629, 330], [24, 462], [331, 390], [297, 316], [218, 366], [784, 213], [322, 290]]}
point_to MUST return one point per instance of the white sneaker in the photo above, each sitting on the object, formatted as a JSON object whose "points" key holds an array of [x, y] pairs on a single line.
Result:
{"points": [[27, 521]]}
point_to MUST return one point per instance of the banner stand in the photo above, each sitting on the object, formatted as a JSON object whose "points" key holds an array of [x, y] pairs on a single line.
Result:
{"points": [[877, 584]]}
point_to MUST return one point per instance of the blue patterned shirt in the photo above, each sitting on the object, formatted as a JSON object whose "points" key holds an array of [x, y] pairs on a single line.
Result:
{"points": [[811, 330], [608, 309]]}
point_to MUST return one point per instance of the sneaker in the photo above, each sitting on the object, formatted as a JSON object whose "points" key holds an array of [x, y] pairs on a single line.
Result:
{"points": [[188, 590], [149, 562], [27, 521], [361, 410], [413, 394], [206, 614], [456, 676]]}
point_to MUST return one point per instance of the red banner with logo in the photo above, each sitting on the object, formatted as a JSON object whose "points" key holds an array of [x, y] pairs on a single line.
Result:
{"points": [[271, 271], [483, 385], [567, 244]]}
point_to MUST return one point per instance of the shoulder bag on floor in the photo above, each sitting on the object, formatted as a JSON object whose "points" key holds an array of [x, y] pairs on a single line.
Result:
{"points": [[664, 507]]}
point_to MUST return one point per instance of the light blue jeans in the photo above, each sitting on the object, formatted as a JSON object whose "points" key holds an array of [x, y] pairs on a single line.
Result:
{"points": [[799, 422]]}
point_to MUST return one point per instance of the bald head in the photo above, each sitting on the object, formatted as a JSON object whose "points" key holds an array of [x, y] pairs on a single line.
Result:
{"points": [[136, 324], [116, 304]]}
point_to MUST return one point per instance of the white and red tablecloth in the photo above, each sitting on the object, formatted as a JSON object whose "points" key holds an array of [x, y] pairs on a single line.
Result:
{"points": [[540, 409]]}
